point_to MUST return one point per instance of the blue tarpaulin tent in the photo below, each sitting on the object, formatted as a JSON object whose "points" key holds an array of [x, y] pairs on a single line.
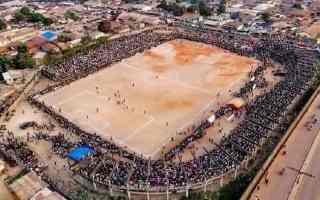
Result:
{"points": [[49, 35], [80, 152]]}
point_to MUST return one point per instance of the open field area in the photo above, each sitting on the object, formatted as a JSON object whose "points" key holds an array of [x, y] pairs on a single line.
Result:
{"points": [[156, 94]]}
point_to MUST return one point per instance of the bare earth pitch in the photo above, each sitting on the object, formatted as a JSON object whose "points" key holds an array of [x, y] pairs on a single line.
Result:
{"points": [[143, 101]]}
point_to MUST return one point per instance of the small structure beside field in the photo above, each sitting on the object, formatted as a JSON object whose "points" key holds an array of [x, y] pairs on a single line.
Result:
{"points": [[31, 187]]}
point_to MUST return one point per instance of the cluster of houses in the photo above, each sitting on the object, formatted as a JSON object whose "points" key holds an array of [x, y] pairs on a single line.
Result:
{"points": [[41, 40], [37, 42]]}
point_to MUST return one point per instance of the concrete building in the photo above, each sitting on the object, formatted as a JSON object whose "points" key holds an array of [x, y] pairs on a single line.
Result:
{"points": [[7, 78], [46, 194], [31, 187], [27, 186], [17, 35], [38, 57]]}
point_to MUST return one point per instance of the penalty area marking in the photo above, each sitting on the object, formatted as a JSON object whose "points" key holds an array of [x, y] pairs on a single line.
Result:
{"points": [[138, 130]]}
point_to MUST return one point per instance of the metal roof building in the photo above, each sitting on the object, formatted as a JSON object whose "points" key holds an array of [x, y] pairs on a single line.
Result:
{"points": [[49, 35]]}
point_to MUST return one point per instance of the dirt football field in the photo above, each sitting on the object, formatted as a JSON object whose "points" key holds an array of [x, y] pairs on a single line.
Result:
{"points": [[142, 102]]}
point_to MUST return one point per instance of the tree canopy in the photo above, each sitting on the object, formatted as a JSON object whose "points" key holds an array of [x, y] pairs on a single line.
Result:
{"points": [[104, 26], [177, 10], [174, 8], [28, 15], [194, 1], [204, 9], [71, 15], [4, 64], [3, 25], [64, 37], [222, 7], [297, 6], [86, 40], [265, 16], [23, 59]]}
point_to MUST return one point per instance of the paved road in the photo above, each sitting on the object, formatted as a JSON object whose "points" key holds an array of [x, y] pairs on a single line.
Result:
{"points": [[306, 187], [295, 172]]}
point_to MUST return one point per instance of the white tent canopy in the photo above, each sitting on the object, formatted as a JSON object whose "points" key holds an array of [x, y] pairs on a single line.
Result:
{"points": [[211, 119]]}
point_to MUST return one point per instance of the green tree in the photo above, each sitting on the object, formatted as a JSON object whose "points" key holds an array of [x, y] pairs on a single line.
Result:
{"points": [[35, 17], [265, 16], [18, 16], [222, 7], [47, 21], [3, 25], [71, 15], [194, 2], [22, 48], [64, 37], [172, 7], [83, 1], [25, 11], [26, 14], [163, 4], [80, 195], [104, 26], [204, 9], [86, 39], [4, 64], [176, 10], [23, 59], [297, 6], [317, 74]]}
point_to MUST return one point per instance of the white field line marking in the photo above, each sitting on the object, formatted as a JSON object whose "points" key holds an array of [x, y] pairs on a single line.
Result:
{"points": [[138, 130], [189, 87], [88, 122], [78, 111], [103, 132], [127, 65], [122, 142], [66, 114], [179, 82], [310, 155], [106, 125], [198, 116], [72, 119], [163, 143]]}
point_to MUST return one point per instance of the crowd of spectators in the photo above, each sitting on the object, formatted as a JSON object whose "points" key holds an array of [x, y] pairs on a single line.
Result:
{"points": [[263, 114], [17, 150], [93, 59]]}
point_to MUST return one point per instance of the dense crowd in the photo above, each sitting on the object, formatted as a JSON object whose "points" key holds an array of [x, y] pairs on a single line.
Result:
{"points": [[263, 115], [17, 150], [93, 59], [6, 103]]}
